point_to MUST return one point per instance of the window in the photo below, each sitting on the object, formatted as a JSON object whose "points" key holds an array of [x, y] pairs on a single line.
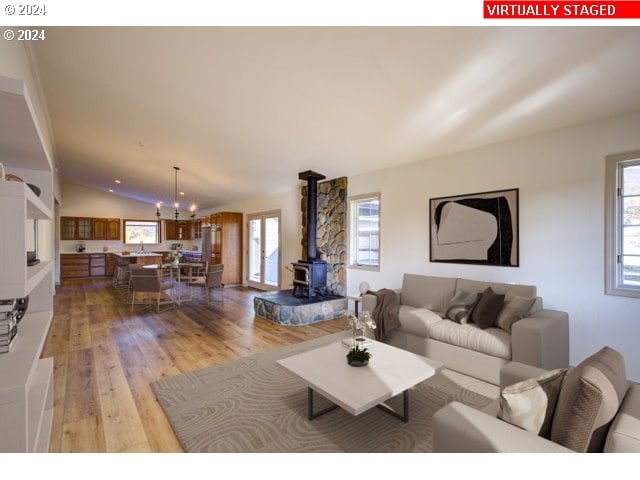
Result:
{"points": [[623, 224], [146, 231], [365, 231]]}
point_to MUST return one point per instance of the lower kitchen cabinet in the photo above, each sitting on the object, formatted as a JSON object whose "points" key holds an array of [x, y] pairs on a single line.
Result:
{"points": [[82, 265], [97, 264], [74, 265], [110, 264]]}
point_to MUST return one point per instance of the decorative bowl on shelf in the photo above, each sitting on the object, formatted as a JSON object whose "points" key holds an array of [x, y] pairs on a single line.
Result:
{"points": [[10, 177]]}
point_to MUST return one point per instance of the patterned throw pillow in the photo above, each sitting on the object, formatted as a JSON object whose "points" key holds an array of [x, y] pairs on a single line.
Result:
{"points": [[589, 400], [530, 404], [514, 308], [460, 306]]}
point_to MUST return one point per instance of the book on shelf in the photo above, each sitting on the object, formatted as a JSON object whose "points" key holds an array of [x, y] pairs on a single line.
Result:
{"points": [[6, 338], [7, 341], [7, 324], [7, 305], [7, 348]]}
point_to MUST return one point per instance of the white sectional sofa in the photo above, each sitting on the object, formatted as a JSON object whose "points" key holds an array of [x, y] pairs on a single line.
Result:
{"points": [[540, 339], [462, 429]]}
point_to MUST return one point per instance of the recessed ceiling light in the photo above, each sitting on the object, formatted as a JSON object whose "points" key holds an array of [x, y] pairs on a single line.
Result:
{"points": [[111, 190], [117, 181], [181, 193]]}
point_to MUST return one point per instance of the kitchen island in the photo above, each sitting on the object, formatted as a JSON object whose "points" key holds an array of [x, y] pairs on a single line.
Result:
{"points": [[147, 258]]}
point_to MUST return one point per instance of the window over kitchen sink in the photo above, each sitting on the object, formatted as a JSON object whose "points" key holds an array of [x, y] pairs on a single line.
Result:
{"points": [[145, 231]]}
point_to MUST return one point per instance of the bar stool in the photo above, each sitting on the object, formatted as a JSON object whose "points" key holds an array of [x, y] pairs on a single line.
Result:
{"points": [[121, 275], [132, 269]]}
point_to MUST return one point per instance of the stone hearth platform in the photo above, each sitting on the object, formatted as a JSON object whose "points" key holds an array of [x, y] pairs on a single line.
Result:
{"points": [[284, 308]]}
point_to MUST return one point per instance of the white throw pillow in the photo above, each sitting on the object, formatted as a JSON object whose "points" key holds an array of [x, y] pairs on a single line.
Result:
{"points": [[530, 404]]}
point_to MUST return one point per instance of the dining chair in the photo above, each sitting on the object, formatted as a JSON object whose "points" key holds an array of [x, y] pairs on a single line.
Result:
{"points": [[211, 279], [150, 281], [197, 277]]}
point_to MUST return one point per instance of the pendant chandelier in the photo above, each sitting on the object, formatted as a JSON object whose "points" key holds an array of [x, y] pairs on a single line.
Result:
{"points": [[176, 203]]}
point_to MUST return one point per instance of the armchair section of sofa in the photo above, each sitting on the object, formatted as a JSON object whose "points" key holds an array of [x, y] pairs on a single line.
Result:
{"points": [[458, 428], [540, 339]]}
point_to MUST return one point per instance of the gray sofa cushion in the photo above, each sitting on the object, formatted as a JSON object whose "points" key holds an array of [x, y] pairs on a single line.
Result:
{"points": [[416, 320], [500, 288], [515, 307], [491, 341], [433, 293]]}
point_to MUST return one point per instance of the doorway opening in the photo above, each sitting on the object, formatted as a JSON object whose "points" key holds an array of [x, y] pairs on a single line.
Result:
{"points": [[263, 252]]}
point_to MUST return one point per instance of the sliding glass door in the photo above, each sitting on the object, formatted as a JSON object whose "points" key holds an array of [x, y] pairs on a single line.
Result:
{"points": [[264, 250]]}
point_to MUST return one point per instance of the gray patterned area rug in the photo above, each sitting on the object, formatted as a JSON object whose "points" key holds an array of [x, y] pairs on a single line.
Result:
{"points": [[254, 405]]}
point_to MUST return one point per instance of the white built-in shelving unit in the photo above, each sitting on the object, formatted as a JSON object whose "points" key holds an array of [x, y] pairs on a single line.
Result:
{"points": [[26, 380]]}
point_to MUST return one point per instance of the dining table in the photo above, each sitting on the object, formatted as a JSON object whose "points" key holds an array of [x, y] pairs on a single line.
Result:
{"points": [[176, 277]]}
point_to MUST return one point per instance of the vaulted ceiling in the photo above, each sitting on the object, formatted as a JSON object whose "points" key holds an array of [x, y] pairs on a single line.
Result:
{"points": [[242, 110]]}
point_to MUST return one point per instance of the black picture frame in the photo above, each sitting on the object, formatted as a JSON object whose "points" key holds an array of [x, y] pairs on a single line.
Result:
{"points": [[476, 228]]}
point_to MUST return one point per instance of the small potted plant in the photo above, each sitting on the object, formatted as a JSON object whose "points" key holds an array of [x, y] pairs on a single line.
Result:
{"points": [[174, 258], [359, 325], [358, 357]]}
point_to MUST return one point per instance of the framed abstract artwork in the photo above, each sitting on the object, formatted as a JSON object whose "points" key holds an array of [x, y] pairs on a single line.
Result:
{"points": [[476, 228]]}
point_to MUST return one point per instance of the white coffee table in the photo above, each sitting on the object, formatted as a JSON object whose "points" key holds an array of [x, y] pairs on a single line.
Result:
{"points": [[390, 372]]}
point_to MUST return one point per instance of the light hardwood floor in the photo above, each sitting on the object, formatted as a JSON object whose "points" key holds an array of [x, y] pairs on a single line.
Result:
{"points": [[105, 356]]}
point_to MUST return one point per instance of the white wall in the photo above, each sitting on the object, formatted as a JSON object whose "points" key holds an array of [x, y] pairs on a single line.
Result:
{"points": [[560, 175], [79, 201], [561, 180], [16, 63], [288, 203]]}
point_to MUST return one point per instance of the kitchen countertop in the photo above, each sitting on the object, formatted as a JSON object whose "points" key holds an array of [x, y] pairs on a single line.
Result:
{"points": [[135, 254], [83, 253], [132, 254]]}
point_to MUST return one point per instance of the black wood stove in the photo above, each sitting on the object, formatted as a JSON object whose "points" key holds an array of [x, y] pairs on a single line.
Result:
{"points": [[310, 274]]}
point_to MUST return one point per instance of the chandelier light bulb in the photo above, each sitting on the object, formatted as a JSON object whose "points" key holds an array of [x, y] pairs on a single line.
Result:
{"points": [[176, 203]]}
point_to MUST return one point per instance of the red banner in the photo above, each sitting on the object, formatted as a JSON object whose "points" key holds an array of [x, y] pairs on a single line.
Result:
{"points": [[566, 9]]}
